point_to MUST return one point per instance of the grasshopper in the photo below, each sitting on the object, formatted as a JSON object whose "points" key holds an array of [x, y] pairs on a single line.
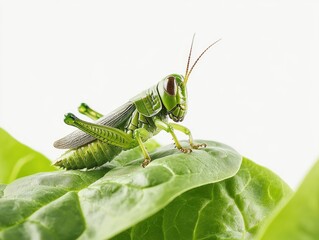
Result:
{"points": [[130, 125]]}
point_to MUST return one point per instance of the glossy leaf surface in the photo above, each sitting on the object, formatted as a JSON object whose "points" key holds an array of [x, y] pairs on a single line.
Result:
{"points": [[101, 203]]}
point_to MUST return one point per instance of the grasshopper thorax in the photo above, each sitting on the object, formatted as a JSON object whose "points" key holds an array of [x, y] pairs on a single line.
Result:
{"points": [[173, 94]]}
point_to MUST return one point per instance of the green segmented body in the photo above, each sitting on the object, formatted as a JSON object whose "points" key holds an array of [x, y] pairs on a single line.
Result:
{"points": [[89, 156]]}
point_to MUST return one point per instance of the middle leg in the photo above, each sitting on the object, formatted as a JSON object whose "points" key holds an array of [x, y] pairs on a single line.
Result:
{"points": [[141, 134]]}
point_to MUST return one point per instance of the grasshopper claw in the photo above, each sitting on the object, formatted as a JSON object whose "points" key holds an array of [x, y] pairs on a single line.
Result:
{"points": [[197, 146], [185, 150], [145, 162]]}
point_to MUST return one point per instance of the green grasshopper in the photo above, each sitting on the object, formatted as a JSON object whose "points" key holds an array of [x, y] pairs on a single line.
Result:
{"points": [[130, 125]]}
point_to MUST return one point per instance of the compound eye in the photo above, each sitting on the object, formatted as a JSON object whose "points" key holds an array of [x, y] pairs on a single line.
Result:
{"points": [[170, 85]]}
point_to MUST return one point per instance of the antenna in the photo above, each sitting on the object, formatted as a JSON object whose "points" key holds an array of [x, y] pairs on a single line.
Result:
{"points": [[190, 71], [189, 56]]}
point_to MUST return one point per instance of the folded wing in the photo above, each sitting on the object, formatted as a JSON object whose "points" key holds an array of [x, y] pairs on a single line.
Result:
{"points": [[79, 138]]}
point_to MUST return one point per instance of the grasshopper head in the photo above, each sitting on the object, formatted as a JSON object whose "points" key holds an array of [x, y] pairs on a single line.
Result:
{"points": [[172, 89], [173, 93]]}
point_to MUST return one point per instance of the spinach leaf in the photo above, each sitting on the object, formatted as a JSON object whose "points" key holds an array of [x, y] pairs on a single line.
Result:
{"points": [[101, 203]]}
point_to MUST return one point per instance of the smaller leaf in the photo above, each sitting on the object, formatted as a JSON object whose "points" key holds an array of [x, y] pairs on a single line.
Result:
{"points": [[299, 218], [18, 160]]}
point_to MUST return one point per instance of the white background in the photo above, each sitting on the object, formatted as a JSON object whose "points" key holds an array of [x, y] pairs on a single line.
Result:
{"points": [[256, 90]]}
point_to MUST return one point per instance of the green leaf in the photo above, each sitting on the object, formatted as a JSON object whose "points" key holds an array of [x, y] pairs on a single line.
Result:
{"points": [[18, 160], [299, 218], [232, 209], [101, 203]]}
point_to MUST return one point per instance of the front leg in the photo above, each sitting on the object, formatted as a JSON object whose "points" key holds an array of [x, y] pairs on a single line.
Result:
{"points": [[169, 128], [189, 134]]}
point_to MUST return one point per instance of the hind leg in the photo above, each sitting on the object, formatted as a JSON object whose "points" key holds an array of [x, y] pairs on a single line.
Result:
{"points": [[86, 110], [103, 133]]}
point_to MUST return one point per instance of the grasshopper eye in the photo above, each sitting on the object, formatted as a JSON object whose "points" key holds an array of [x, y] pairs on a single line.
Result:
{"points": [[170, 85]]}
